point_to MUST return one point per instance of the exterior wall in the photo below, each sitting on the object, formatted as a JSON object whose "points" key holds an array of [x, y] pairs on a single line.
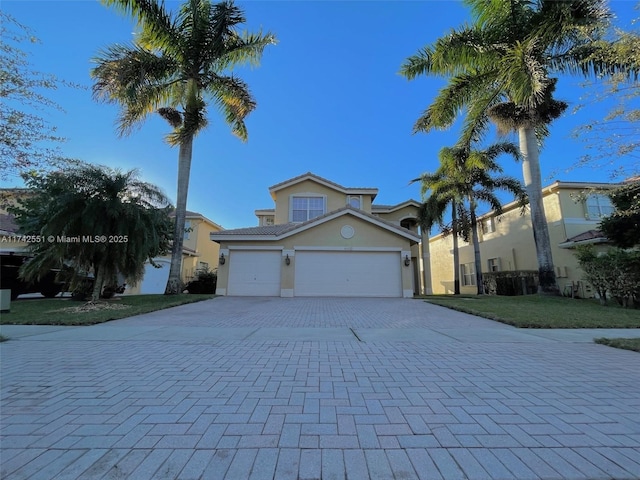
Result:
{"points": [[512, 242], [206, 250], [396, 217], [325, 236], [265, 220], [334, 199]]}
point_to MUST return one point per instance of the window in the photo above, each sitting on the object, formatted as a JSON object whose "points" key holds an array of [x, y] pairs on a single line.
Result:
{"points": [[268, 220], [354, 201], [494, 264], [488, 225], [187, 230], [306, 208], [598, 206], [468, 274], [204, 266]]}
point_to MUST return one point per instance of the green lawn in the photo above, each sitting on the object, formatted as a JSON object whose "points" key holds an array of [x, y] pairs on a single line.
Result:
{"points": [[539, 311], [625, 343], [64, 311]]}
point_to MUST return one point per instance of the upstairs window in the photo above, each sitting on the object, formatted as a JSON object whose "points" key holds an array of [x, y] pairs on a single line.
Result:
{"points": [[598, 206], [268, 220], [187, 230], [354, 201], [306, 208], [488, 225]]}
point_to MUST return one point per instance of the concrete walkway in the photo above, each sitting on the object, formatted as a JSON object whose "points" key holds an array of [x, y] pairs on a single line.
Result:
{"points": [[253, 388]]}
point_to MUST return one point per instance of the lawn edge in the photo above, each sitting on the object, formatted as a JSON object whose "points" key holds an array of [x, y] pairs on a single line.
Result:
{"points": [[89, 323], [615, 343]]}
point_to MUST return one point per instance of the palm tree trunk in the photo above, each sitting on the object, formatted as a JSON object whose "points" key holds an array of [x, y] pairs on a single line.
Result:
{"points": [[98, 282], [476, 246], [456, 253], [426, 262], [174, 283], [533, 185]]}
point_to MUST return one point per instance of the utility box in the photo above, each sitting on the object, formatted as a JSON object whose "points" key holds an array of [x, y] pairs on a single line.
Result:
{"points": [[5, 300]]}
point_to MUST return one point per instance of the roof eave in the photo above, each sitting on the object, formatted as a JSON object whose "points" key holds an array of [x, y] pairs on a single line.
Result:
{"points": [[590, 241]]}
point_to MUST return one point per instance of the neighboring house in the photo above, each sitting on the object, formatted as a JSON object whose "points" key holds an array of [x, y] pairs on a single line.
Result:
{"points": [[198, 253], [8, 228], [506, 241], [322, 239]]}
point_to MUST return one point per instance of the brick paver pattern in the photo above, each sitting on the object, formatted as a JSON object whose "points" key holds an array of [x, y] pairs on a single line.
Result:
{"points": [[179, 408]]}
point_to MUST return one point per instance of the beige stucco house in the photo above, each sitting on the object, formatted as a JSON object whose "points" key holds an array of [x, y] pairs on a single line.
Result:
{"points": [[198, 253], [506, 241], [322, 239]]}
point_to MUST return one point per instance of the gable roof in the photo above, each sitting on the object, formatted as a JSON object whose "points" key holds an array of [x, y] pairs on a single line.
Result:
{"points": [[196, 215], [323, 181], [277, 232]]}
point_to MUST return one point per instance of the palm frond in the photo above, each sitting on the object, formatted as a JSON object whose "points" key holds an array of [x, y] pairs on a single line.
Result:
{"points": [[451, 100], [234, 99], [135, 78], [246, 48], [151, 15]]}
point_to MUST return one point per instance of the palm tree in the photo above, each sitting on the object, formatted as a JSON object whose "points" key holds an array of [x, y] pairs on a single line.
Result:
{"points": [[465, 175], [431, 212], [97, 220], [177, 63], [474, 172], [501, 68]]}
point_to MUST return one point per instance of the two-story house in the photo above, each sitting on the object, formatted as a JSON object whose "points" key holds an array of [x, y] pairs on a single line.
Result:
{"points": [[322, 239], [573, 211]]}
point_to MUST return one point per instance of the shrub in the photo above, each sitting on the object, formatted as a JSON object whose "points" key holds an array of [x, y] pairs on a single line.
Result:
{"points": [[615, 272], [518, 282], [205, 282]]}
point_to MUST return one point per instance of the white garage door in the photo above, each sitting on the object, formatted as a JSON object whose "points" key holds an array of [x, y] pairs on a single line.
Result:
{"points": [[155, 279], [348, 274], [254, 273]]}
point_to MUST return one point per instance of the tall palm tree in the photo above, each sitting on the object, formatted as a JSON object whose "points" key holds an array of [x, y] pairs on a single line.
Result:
{"points": [[96, 219], [502, 67], [176, 65], [474, 172], [468, 175], [432, 211]]}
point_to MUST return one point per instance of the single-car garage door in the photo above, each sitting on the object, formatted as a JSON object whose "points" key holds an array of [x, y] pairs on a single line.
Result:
{"points": [[254, 273], [348, 274]]}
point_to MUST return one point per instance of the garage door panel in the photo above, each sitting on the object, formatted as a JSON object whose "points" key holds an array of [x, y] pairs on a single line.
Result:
{"points": [[254, 273], [357, 274], [155, 279]]}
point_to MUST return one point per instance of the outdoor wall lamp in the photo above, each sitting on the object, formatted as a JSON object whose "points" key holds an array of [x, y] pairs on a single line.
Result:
{"points": [[222, 259], [407, 261], [287, 260]]}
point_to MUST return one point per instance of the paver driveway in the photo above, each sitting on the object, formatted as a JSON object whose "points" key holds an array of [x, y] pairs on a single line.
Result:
{"points": [[250, 388]]}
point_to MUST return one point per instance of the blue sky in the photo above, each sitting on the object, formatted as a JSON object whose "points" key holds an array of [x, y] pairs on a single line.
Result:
{"points": [[329, 97]]}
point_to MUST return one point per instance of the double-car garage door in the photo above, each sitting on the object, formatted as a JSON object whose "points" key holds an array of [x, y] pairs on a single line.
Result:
{"points": [[317, 273]]}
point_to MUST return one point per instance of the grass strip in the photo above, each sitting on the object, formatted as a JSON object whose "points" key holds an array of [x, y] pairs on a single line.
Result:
{"points": [[64, 311], [624, 343], [541, 311]]}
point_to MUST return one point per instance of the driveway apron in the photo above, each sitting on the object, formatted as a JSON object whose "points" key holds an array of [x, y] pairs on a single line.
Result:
{"points": [[316, 388]]}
